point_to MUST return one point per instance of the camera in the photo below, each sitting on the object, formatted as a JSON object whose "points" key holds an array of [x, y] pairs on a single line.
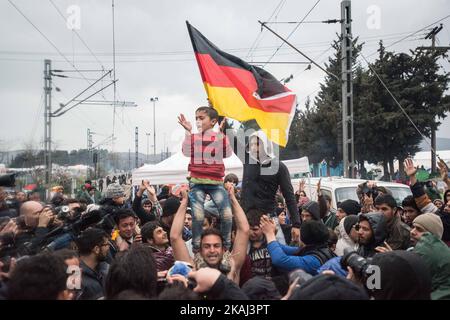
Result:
{"points": [[369, 191], [358, 264]]}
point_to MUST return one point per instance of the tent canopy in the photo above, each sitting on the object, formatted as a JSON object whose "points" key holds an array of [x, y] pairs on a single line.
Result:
{"points": [[173, 170]]}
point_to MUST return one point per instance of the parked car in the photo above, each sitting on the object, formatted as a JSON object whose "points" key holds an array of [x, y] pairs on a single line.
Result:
{"points": [[340, 189]]}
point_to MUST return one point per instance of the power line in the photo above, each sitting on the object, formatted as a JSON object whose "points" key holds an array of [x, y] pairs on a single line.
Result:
{"points": [[46, 38], [404, 38], [295, 29], [260, 34], [398, 104], [77, 34]]}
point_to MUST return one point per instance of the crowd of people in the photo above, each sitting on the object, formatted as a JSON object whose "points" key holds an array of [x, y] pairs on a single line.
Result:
{"points": [[218, 238]]}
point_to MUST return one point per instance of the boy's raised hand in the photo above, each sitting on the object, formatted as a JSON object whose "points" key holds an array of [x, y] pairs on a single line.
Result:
{"points": [[184, 123], [222, 125]]}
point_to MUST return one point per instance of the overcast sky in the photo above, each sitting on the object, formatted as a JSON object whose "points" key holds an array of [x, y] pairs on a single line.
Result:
{"points": [[154, 58]]}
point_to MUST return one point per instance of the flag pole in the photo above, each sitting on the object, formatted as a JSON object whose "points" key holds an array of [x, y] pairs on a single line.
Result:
{"points": [[263, 24]]}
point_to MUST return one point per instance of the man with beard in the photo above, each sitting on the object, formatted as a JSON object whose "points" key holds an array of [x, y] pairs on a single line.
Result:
{"points": [[212, 251], [93, 247], [372, 233]]}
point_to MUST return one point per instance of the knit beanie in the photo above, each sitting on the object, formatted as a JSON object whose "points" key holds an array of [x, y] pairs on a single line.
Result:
{"points": [[349, 222], [350, 207], [430, 222], [313, 232], [114, 190]]}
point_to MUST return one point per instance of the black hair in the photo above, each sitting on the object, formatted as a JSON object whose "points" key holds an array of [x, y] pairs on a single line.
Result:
{"points": [[148, 229], [209, 217], [57, 200], [89, 239], [231, 177], [66, 254], [211, 112], [386, 199], [40, 277], [254, 217], [332, 238], [177, 291], [123, 214], [134, 270], [211, 231], [410, 202]]}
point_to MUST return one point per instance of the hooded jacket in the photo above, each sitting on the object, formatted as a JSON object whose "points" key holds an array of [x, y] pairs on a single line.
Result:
{"points": [[378, 224], [436, 255], [344, 242], [259, 190], [404, 276]]}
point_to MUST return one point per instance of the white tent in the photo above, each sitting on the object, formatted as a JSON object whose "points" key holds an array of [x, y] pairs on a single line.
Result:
{"points": [[423, 158], [173, 170]]}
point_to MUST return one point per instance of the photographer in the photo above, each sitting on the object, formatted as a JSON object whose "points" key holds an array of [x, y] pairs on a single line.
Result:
{"points": [[38, 221], [402, 275]]}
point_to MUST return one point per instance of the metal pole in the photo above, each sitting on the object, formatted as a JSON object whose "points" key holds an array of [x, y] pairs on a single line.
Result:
{"points": [[433, 131], [148, 145], [154, 126], [348, 148], [48, 121], [136, 136]]}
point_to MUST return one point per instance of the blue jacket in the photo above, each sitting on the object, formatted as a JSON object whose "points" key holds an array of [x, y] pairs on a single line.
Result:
{"points": [[283, 258]]}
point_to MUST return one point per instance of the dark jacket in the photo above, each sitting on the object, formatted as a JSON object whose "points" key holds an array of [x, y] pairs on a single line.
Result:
{"points": [[92, 281], [140, 212], [259, 191], [398, 237], [225, 289], [403, 276], [377, 222]]}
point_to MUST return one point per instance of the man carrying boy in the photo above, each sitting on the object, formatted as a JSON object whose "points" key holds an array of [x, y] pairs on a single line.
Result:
{"points": [[207, 150]]}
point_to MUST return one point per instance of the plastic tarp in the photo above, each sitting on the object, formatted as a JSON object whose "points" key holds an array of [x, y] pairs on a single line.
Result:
{"points": [[173, 170]]}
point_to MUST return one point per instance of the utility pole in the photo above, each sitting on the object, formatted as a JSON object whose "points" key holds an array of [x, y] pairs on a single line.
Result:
{"points": [[348, 147], [136, 137], [48, 121], [432, 35], [148, 135], [129, 160], [154, 99]]}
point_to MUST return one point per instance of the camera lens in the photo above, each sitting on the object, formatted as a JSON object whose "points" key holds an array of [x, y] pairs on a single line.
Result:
{"points": [[356, 262]]}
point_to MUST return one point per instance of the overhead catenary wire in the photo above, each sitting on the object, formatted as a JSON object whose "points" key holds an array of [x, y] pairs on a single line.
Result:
{"points": [[260, 34], [295, 29]]}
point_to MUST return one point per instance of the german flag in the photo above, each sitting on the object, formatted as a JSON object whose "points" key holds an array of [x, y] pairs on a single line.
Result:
{"points": [[243, 92]]}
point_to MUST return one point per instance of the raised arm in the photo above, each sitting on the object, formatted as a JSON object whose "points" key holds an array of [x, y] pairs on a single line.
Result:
{"points": [[420, 197], [242, 232], [180, 251]]}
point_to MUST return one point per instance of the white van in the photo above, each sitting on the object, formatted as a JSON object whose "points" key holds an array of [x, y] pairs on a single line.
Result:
{"points": [[340, 189]]}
